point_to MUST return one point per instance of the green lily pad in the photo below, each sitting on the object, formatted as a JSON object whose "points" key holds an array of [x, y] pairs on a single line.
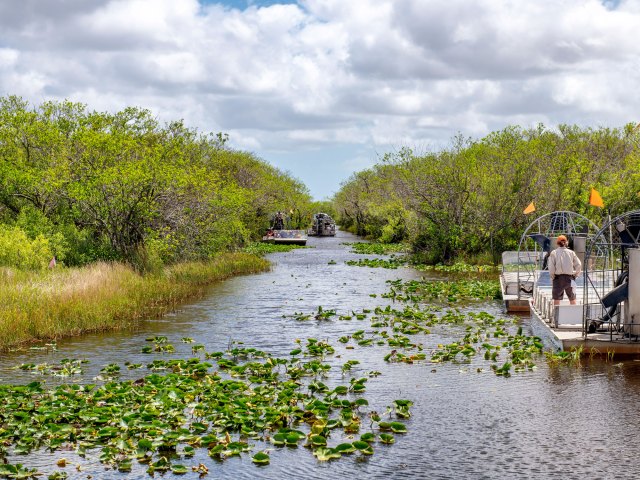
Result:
{"points": [[346, 448], [318, 440], [179, 469], [398, 427], [384, 426], [261, 458], [367, 437], [324, 454]]}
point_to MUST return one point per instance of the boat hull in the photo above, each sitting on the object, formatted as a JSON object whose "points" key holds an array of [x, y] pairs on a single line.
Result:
{"points": [[286, 237], [285, 241]]}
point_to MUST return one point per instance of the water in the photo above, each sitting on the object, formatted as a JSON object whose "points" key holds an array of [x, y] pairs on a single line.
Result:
{"points": [[563, 422]]}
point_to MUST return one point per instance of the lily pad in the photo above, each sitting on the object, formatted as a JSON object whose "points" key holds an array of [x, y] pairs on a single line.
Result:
{"points": [[324, 454], [261, 458], [398, 427], [387, 438], [179, 469]]}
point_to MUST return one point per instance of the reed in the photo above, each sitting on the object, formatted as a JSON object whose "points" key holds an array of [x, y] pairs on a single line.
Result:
{"points": [[103, 296]]}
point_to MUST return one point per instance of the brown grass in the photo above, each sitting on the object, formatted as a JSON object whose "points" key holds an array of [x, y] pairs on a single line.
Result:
{"points": [[104, 296]]}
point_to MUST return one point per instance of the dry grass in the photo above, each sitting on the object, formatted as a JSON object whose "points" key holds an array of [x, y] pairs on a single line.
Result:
{"points": [[103, 296]]}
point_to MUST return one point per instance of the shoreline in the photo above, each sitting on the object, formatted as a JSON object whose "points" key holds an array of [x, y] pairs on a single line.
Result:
{"points": [[41, 306]]}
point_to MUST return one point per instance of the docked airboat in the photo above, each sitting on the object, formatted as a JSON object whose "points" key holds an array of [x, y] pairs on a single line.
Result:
{"points": [[527, 267], [606, 316]]}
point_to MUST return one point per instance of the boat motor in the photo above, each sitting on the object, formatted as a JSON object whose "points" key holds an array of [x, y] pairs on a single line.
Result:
{"points": [[611, 300]]}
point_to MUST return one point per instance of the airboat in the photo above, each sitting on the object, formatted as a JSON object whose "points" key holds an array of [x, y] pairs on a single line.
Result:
{"points": [[527, 267], [278, 234], [606, 317], [285, 237], [323, 226]]}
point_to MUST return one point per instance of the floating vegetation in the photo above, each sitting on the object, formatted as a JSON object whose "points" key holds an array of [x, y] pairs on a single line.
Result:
{"points": [[571, 357], [66, 368], [445, 291], [322, 314], [263, 248], [458, 267], [377, 248], [160, 420], [485, 337], [392, 262], [160, 344]]}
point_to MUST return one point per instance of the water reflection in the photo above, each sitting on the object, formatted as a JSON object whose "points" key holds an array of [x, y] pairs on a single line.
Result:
{"points": [[566, 422]]}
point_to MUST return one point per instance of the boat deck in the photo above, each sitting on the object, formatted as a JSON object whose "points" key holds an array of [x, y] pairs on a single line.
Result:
{"points": [[563, 327]]}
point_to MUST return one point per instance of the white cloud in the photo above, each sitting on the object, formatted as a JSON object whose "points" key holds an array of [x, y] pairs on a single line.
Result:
{"points": [[372, 74]]}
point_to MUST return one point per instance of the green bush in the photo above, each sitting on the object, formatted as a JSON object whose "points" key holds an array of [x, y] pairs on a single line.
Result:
{"points": [[18, 250]]}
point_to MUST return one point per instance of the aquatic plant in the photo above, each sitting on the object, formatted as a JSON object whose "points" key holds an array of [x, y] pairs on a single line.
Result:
{"points": [[160, 419], [376, 248], [445, 291], [458, 267], [567, 357], [393, 262]]}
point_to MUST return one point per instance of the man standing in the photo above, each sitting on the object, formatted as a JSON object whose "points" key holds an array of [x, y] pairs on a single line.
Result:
{"points": [[564, 266]]}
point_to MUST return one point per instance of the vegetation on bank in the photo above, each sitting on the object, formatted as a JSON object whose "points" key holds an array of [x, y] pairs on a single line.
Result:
{"points": [[88, 186], [467, 201], [135, 216], [50, 304]]}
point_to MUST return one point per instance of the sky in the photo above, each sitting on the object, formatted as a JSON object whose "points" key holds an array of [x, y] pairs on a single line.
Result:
{"points": [[324, 88]]}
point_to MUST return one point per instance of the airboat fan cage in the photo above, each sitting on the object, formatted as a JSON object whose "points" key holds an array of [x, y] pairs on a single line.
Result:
{"points": [[539, 239], [611, 302]]}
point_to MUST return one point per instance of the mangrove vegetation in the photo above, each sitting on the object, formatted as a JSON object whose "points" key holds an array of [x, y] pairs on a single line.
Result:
{"points": [[467, 201], [88, 186]]}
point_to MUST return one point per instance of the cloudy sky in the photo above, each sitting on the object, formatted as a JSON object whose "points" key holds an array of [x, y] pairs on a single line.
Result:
{"points": [[322, 88]]}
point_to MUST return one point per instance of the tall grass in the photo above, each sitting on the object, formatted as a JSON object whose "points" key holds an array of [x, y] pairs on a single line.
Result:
{"points": [[104, 296]]}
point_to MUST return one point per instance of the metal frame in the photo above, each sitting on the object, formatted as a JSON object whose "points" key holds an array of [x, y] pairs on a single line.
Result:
{"points": [[606, 262]]}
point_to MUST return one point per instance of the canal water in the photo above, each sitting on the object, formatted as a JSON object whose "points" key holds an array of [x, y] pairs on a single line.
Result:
{"points": [[553, 422]]}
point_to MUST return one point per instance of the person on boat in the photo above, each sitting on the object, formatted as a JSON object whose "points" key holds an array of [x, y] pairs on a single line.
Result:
{"points": [[564, 268], [278, 223]]}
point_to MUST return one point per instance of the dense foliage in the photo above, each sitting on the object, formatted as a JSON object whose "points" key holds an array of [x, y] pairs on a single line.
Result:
{"points": [[86, 186], [468, 200]]}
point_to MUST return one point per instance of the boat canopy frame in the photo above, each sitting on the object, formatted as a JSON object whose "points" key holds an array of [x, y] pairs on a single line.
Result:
{"points": [[605, 278], [538, 240]]}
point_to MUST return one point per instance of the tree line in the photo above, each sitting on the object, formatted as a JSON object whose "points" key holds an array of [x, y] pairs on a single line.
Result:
{"points": [[84, 185], [468, 200]]}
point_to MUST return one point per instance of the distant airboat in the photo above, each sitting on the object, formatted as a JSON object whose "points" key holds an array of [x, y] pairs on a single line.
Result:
{"points": [[323, 226], [278, 234]]}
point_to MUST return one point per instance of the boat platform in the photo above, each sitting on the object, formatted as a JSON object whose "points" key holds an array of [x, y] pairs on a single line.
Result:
{"points": [[286, 237], [515, 299], [516, 280], [563, 327]]}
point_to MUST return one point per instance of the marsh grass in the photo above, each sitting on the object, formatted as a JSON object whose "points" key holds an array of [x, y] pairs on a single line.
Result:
{"points": [[103, 296]]}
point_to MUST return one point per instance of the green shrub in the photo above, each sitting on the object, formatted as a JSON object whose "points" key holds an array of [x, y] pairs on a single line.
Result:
{"points": [[18, 250]]}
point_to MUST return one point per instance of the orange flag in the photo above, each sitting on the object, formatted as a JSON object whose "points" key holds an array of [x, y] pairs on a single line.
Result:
{"points": [[595, 199], [530, 209]]}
